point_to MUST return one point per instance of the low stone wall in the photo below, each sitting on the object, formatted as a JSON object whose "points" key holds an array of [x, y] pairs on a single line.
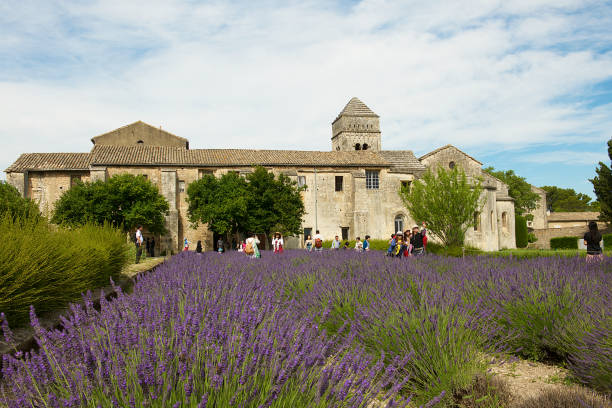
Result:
{"points": [[544, 235]]}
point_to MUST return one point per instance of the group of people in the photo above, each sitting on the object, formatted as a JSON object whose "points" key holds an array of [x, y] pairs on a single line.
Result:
{"points": [[408, 243]]}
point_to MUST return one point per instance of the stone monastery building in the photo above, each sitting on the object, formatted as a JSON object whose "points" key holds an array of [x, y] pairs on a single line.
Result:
{"points": [[352, 190]]}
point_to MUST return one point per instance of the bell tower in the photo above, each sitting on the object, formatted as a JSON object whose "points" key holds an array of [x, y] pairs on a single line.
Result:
{"points": [[356, 128]]}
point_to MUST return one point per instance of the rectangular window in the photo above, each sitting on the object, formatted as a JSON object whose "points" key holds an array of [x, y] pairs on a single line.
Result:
{"points": [[307, 232], [301, 181], [372, 179], [406, 185], [345, 231], [74, 179], [181, 186], [476, 221], [339, 180], [203, 172]]}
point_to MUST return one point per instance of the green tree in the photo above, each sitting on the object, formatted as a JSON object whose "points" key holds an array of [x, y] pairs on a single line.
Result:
{"points": [[519, 189], [446, 201], [275, 203], [602, 187], [124, 201], [13, 204], [222, 203], [260, 203], [566, 199]]}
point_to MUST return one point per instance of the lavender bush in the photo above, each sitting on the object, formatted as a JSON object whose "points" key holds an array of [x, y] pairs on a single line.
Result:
{"points": [[317, 330]]}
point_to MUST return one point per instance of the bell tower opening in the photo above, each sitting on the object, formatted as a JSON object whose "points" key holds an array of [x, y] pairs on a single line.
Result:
{"points": [[357, 127]]}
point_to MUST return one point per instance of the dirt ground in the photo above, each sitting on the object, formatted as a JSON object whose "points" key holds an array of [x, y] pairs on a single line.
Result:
{"points": [[528, 379]]}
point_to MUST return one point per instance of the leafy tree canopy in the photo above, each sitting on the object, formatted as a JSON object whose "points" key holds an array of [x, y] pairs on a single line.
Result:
{"points": [[124, 201], [602, 187], [222, 203], [446, 201], [519, 189], [566, 199], [13, 204], [259, 203]]}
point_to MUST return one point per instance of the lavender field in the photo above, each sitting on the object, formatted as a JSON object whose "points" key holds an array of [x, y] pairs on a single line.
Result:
{"points": [[319, 330]]}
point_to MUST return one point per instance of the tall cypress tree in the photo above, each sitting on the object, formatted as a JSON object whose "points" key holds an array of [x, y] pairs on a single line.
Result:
{"points": [[602, 186]]}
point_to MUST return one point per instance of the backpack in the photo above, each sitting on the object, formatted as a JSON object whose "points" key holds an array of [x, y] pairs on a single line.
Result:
{"points": [[318, 243], [249, 250]]}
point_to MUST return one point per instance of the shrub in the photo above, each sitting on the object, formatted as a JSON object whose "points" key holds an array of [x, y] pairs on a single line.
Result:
{"points": [[375, 244], [564, 243], [12, 203], [607, 239], [520, 228], [531, 237], [48, 267]]}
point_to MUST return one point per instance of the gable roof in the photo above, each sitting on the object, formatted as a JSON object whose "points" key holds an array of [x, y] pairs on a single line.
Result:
{"points": [[160, 155], [50, 162], [448, 146], [402, 160], [355, 107], [138, 123]]}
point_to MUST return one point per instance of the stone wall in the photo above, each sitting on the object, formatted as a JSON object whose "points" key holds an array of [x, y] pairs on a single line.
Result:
{"points": [[539, 214], [544, 235], [135, 133], [46, 187]]}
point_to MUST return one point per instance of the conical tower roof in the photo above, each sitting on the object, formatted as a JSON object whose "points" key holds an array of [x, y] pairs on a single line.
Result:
{"points": [[356, 108]]}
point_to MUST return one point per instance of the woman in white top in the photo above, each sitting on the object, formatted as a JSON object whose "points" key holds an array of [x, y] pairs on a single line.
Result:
{"points": [[277, 243]]}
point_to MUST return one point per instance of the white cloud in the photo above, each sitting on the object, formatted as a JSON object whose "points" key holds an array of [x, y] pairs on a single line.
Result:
{"points": [[484, 75]]}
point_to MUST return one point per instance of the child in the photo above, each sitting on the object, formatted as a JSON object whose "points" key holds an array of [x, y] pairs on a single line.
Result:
{"points": [[392, 243]]}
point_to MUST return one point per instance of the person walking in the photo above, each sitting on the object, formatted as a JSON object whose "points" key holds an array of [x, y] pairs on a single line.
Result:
{"points": [[417, 240], [278, 243], [220, 247], [318, 242], [139, 242], [366, 243], [335, 243], [309, 243], [199, 247], [592, 238]]}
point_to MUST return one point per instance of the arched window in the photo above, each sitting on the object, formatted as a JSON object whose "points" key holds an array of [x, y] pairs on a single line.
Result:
{"points": [[140, 142], [505, 221], [398, 223], [357, 146], [365, 146], [492, 222], [451, 165]]}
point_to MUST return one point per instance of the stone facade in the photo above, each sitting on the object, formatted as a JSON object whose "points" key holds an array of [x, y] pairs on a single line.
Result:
{"points": [[352, 190]]}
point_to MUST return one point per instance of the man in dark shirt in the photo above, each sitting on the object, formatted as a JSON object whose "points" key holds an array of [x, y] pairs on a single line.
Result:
{"points": [[417, 240]]}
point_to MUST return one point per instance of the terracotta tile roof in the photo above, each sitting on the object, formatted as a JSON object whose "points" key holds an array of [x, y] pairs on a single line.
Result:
{"points": [[356, 108], [573, 216], [402, 160], [159, 155], [50, 161], [447, 147]]}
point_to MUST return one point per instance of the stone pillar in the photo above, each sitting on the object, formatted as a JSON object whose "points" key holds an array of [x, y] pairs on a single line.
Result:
{"points": [[19, 181], [97, 173], [169, 190]]}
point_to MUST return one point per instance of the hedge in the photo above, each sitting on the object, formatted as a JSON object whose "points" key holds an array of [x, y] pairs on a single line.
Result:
{"points": [[607, 239], [520, 229], [48, 267], [564, 243]]}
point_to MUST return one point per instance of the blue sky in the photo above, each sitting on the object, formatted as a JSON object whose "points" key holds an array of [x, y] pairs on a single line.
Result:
{"points": [[523, 85]]}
